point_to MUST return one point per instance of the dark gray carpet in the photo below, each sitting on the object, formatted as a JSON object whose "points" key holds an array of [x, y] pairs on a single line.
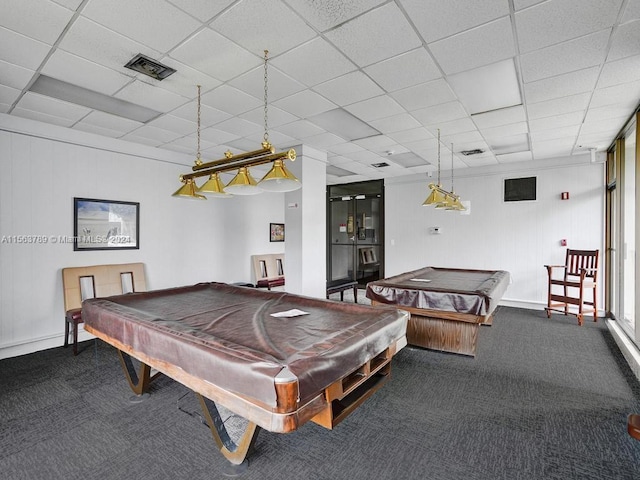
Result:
{"points": [[543, 399]]}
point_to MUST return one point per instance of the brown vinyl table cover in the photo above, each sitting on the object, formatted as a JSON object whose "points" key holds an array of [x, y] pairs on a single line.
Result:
{"points": [[475, 292], [226, 335]]}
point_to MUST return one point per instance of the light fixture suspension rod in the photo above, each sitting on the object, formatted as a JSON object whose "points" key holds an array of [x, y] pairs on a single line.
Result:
{"points": [[235, 158], [288, 155]]}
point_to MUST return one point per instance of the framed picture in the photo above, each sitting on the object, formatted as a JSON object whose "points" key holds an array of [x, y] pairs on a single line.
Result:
{"points": [[276, 232], [105, 224]]}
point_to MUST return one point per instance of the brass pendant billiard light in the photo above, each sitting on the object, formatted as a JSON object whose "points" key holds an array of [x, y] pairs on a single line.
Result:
{"points": [[278, 179], [439, 197]]}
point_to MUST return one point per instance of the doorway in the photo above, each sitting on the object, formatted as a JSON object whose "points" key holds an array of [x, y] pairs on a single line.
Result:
{"points": [[355, 232]]}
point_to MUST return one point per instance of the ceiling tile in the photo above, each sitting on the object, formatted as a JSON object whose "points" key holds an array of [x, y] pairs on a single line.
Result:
{"points": [[98, 44], [70, 4], [217, 136], [395, 123], [554, 133], [375, 108], [416, 66], [424, 95], [607, 112], [345, 148], [42, 117], [556, 21], [552, 148], [557, 121], [300, 129], [230, 100], [511, 144], [8, 95], [628, 93], [265, 26], [480, 46], [487, 88], [155, 133], [314, 62], [626, 41], [20, 50], [51, 106], [349, 88], [621, 71], [131, 137], [562, 85], [275, 116], [38, 19], [213, 54], [323, 141], [14, 76], [503, 116], [565, 57], [105, 132], [305, 104], [520, 4], [436, 19], [208, 115], [148, 96], [174, 124], [184, 81], [279, 85], [84, 73], [355, 40], [329, 13], [204, 10], [154, 23], [440, 113], [111, 122], [496, 133], [632, 11], [377, 142], [412, 135], [452, 127], [514, 157], [239, 127], [559, 106]]}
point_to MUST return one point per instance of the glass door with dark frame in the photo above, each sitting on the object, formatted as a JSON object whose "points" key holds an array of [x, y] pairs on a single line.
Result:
{"points": [[355, 235]]}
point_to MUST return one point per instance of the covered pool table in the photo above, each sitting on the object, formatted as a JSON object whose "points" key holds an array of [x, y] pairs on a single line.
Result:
{"points": [[447, 305], [223, 342]]}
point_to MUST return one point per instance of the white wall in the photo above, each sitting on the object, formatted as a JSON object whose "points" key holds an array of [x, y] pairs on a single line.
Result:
{"points": [[181, 242], [519, 237]]}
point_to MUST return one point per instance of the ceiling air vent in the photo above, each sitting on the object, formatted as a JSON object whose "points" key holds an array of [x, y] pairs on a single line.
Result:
{"points": [[143, 64], [467, 153], [380, 165]]}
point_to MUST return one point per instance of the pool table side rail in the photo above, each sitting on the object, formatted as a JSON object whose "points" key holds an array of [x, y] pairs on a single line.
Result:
{"points": [[327, 408]]}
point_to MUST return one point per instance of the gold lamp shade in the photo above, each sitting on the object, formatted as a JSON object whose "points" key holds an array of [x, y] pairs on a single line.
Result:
{"points": [[214, 187], [188, 191], [456, 204], [279, 179], [436, 197], [243, 184]]}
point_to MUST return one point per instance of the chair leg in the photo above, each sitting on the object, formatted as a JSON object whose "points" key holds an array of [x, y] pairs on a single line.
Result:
{"points": [[66, 333], [75, 338], [595, 306]]}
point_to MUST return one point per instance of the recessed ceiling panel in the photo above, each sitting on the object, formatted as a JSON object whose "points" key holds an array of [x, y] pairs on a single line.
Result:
{"points": [[487, 88]]}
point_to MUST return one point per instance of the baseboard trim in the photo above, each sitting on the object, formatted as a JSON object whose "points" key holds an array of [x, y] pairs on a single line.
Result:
{"points": [[627, 347], [43, 343]]}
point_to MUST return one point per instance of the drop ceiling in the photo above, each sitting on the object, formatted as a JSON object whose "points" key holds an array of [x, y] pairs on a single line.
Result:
{"points": [[367, 81]]}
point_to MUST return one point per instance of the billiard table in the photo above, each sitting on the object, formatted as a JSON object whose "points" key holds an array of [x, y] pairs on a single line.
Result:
{"points": [[447, 305], [223, 342]]}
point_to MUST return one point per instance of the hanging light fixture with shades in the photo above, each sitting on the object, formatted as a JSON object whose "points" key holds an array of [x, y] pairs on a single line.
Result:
{"points": [[439, 197], [278, 179]]}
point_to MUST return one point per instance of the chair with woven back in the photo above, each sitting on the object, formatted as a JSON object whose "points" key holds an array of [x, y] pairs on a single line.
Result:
{"points": [[577, 284]]}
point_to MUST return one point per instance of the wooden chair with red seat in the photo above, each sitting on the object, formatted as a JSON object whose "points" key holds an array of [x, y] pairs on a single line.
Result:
{"points": [[579, 277], [82, 283]]}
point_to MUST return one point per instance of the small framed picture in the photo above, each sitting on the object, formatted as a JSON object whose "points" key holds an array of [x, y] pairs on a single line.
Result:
{"points": [[105, 224], [276, 232]]}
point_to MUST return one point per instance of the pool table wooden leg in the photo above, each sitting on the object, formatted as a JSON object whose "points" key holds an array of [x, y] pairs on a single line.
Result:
{"points": [[235, 453], [138, 381]]}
